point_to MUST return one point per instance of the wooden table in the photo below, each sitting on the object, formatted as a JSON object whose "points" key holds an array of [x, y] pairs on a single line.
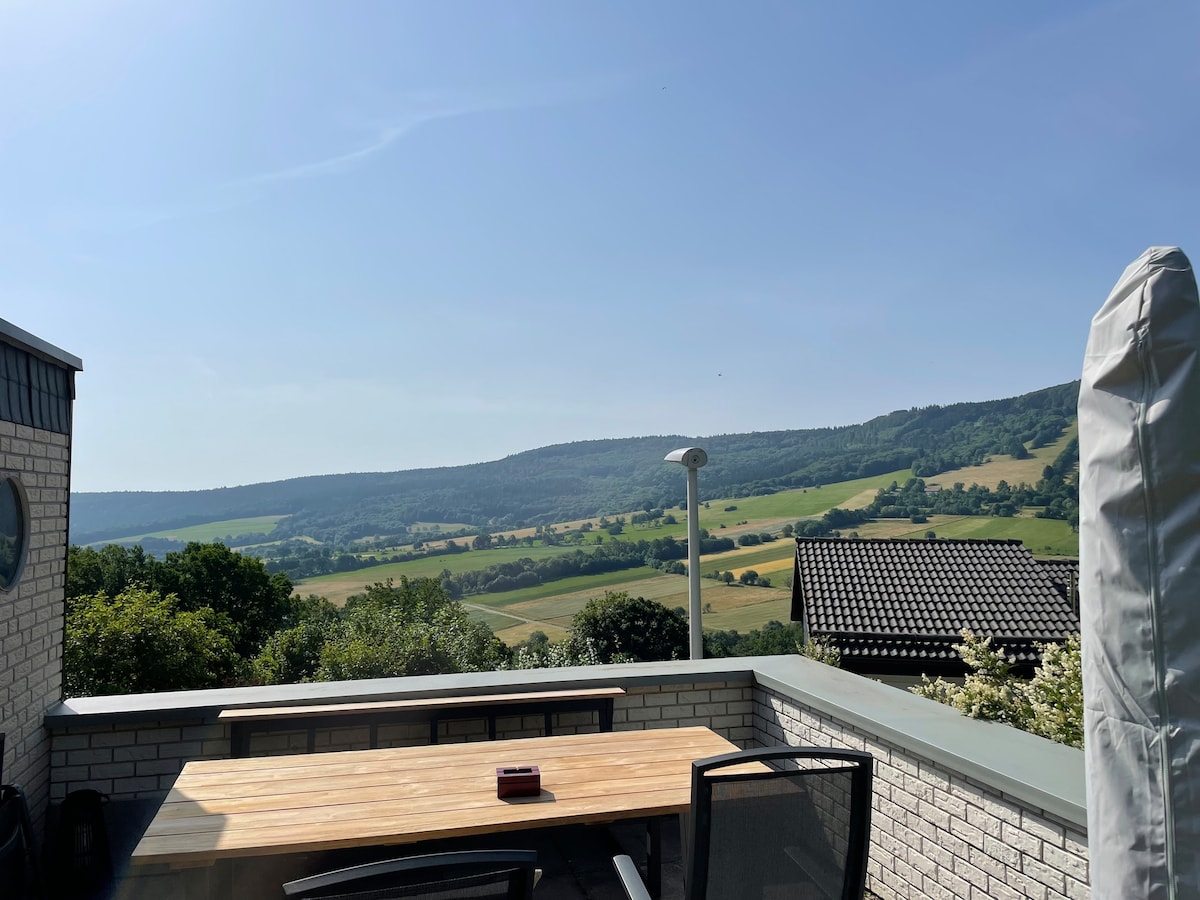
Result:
{"points": [[222, 809]]}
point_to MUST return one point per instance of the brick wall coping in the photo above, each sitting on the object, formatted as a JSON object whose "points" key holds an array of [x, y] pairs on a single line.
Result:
{"points": [[1042, 773], [24, 339], [82, 712]]}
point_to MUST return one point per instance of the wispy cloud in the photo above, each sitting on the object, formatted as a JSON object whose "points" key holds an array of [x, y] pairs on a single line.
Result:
{"points": [[346, 162], [432, 106], [418, 109]]}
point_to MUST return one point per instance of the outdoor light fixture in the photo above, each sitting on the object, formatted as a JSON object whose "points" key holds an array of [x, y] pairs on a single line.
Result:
{"points": [[693, 458]]}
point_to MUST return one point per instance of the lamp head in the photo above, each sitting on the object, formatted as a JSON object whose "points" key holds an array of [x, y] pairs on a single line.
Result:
{"points": [[691, 457]]}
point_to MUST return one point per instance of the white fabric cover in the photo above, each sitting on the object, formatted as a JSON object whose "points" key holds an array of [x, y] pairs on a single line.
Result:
{"points": [[1139, 548]]}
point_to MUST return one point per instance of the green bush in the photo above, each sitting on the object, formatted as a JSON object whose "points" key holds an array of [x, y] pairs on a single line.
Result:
{"points": [[1050, 704]]}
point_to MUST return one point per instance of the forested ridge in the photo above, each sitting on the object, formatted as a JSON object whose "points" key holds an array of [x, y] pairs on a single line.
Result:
{"points": [[588, 478]]}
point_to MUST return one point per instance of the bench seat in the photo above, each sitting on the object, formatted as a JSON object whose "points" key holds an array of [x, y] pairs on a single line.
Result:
{"points": [[244, 721]]}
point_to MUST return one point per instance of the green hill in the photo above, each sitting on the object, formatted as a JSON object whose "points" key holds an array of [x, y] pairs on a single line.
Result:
{"points": [[557, 483]]}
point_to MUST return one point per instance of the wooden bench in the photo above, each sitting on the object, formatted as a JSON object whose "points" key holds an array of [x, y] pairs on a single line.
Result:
{"points": [[245, 721]]}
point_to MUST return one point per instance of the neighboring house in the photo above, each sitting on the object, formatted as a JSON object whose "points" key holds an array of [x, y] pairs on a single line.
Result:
{"points": [[895, 607]]}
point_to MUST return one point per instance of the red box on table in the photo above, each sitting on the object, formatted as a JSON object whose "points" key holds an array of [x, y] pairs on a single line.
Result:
{"points": [[518, 781]]}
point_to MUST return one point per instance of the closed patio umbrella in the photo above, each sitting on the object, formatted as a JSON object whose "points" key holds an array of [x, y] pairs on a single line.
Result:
{"points": [[1139, 587]]}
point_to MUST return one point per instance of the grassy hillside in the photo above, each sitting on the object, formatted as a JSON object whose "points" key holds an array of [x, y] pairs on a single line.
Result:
{"points": [[209, 531]]}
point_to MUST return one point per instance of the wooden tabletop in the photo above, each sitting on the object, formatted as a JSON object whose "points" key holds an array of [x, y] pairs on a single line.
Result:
{"points": [[283, 804]]}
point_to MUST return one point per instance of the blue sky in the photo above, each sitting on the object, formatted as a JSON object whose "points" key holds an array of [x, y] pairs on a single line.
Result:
{"points": [[295, 238]]}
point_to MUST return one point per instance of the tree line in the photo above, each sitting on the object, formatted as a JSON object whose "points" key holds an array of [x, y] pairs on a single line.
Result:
{"points": [[207, 616]]}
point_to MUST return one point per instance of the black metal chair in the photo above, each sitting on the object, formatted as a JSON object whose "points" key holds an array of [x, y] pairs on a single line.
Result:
{"points": [[777, 822], [508, 874], [80, 859], [20, 874]]}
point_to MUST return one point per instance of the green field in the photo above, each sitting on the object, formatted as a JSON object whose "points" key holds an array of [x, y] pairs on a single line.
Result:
{"points": [[1043, 537], [769, 511], [208, 532], [340, 585]]}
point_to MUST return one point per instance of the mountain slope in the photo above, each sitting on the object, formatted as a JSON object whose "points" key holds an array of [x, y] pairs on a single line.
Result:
{"points": [[595, 477]]}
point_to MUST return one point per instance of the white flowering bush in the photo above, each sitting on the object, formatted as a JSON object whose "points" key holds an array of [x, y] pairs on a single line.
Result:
{"points": [[821, 652], [555, 655], [1050, 704]]}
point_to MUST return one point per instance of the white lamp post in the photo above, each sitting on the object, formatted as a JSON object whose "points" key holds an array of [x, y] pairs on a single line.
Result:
{"points": [[693, 458]]}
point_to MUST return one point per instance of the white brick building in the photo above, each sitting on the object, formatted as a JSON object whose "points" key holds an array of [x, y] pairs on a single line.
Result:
{"points": [[37, 387]]}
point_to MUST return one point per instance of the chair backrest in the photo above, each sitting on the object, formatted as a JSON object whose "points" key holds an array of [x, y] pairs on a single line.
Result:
{"points": [[507, 874], [17, 859], [780, 821], [12, 846], [82, 860]]}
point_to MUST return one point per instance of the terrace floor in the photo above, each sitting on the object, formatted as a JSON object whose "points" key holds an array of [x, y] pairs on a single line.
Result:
{"points": [[576, 863]]}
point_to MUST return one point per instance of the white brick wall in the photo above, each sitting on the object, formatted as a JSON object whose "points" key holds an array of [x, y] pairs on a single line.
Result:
{"points": [[934, 832], [31, 614], [727, 707]]}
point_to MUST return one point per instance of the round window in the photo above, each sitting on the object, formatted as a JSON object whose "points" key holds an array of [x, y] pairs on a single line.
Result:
{"points": [[14, 531]]}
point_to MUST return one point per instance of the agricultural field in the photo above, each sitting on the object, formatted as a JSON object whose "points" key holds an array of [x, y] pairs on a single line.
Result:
{"points": [[1005, 468], [1043, 537], [206, 533], [513, 615], [737, 604], [337, 587]]}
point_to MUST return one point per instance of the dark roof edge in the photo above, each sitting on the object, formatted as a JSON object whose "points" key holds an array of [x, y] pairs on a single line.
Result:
{"points": [[901, 540], [39, 347]]}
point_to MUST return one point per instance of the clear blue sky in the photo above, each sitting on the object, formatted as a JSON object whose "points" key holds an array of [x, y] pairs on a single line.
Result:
{"points": [[294, 238]]}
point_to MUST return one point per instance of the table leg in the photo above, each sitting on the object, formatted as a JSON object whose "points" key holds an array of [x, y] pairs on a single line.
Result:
{"points": [[654, 856], [239, 741]]}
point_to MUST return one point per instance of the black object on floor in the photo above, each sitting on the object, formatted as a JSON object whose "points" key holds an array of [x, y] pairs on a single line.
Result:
{"points": [[82, 860]]}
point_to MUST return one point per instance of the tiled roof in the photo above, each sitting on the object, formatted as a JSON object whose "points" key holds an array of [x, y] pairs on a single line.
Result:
{"points": [[900, 599], [1064, 573]]}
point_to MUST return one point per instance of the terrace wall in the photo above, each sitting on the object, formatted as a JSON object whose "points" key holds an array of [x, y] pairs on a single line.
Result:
{"points": [[138, 759], [962, 808], [935, 832]]}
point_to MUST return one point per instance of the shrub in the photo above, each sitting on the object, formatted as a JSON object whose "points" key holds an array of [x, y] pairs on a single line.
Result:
{"points": [[1050, 704]]}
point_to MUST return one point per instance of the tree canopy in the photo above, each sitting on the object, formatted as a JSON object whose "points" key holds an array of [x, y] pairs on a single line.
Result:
{"points": [[631, 629], [140, 641]]}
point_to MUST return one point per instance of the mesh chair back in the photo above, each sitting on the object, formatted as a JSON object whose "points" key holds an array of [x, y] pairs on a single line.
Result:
{"points": [[485, 874], [81, 854], [18, 865], [12, 848], [781, 822]]}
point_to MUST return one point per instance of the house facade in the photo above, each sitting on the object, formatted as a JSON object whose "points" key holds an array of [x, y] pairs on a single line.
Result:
{"points": [[37, 391]]}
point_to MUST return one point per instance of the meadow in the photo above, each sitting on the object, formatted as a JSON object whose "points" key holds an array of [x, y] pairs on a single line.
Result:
{"points": [[206, 533]]}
